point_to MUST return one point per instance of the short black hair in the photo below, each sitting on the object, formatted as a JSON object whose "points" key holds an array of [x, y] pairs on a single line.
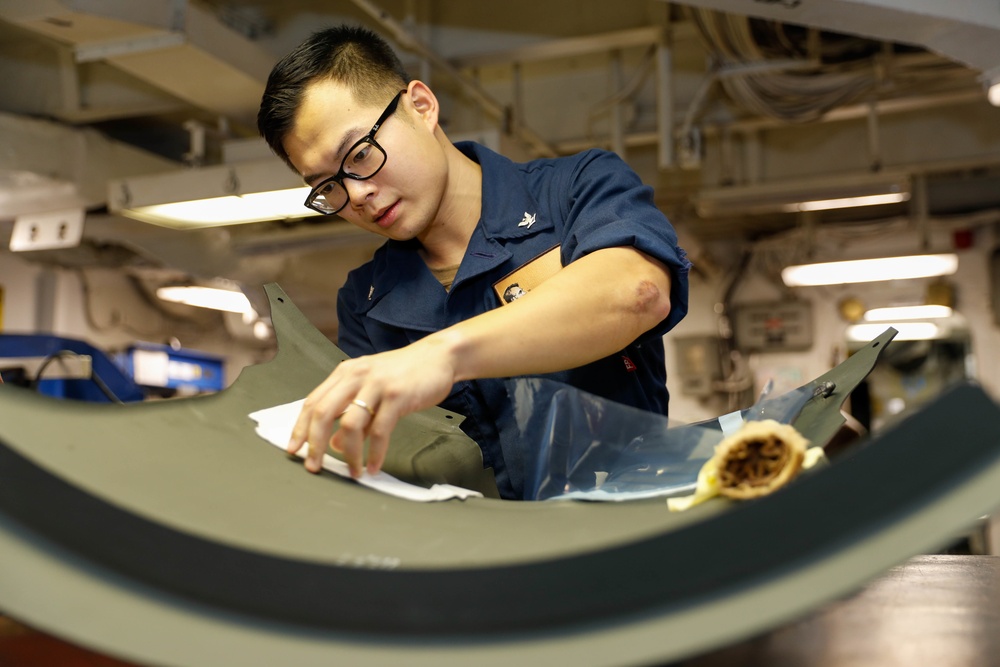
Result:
{"points": [[353, 55]]}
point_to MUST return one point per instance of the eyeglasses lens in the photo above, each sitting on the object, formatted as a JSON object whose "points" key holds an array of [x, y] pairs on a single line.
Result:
{"points": [[363, 162]]}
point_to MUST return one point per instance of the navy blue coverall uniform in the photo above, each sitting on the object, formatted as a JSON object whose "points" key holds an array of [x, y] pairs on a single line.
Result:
{"points": [[579, 204]]}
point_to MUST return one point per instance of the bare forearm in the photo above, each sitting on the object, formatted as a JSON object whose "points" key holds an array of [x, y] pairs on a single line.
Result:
{"points": [[590, 309]]}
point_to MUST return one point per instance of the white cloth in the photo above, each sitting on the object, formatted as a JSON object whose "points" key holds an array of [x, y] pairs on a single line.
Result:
{"points": [[275, 425]]}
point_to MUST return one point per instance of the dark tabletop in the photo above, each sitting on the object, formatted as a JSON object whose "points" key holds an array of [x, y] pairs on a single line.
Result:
{"points": [[934, 610]]}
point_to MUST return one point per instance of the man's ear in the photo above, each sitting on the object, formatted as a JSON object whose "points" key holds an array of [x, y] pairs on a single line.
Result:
{"points": [[425, 103]]}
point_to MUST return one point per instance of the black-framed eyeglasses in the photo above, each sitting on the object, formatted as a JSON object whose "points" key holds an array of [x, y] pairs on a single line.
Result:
{"points": [[363, 160]]}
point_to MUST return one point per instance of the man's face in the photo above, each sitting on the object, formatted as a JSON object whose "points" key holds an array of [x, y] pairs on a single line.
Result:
{"points": [[399, 201]]}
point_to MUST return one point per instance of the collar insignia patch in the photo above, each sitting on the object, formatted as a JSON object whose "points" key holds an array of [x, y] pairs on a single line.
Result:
{"points": [[527, 221]]}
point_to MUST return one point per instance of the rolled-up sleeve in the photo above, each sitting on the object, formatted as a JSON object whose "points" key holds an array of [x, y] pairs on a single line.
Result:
{"points": [[609, 207]]}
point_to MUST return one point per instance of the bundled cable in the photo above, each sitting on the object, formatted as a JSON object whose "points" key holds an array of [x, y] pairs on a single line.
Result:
{"points": [[813, 73]]}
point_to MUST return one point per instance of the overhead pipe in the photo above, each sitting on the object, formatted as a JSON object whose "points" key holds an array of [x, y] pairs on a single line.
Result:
{"points": [[853, 112], [617, 113], [665, 103]]}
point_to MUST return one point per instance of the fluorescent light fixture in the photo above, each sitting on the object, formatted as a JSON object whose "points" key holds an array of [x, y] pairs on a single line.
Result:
{"points": [[907, 331], [993, 95], [991, 83], [892, 313], [870, 270], [229, 210], [815, 194], [243, 192], [850, 202], [206, 297]]}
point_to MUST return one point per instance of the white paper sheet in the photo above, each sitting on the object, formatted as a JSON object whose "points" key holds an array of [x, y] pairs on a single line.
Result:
{"points": [[275, 425]]}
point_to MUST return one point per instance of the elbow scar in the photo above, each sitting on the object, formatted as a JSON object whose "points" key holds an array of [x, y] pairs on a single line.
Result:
{"points": [[649, 297]]}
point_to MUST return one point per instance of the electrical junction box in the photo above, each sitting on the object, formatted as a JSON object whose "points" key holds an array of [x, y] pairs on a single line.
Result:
{"points": [[697, 365], [773, 326]]}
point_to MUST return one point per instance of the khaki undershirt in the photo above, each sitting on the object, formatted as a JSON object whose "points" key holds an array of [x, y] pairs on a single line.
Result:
{"points": [[445, 276]]}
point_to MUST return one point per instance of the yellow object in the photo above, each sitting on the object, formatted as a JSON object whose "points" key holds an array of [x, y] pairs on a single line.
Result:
{"points": [[1, 308], [851, 309], [707, 487], [758, 459]]}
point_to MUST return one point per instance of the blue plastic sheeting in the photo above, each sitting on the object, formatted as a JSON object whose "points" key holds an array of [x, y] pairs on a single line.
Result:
{"points": [[590, 448]]}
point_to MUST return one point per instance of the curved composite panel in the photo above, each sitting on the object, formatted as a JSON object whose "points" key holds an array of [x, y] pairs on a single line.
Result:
{"points": [[168, 533]]}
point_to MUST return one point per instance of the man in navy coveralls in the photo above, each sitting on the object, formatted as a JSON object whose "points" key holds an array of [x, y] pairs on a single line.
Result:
{"points": [[561, 268]]}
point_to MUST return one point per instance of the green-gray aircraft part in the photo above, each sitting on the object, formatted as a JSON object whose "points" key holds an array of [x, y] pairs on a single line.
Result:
{"points": [[821, 417], [169, 533]]}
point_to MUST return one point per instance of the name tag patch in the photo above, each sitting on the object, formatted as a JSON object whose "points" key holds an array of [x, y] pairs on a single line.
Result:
{"points": [[522, 280]]}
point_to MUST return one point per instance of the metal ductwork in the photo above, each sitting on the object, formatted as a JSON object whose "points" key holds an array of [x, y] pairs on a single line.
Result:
{"points": [[181, 49], [173, 45], [71, 165]]}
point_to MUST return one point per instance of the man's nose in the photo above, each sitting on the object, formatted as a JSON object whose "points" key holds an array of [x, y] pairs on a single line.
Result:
{"points": [[359, 191]]}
